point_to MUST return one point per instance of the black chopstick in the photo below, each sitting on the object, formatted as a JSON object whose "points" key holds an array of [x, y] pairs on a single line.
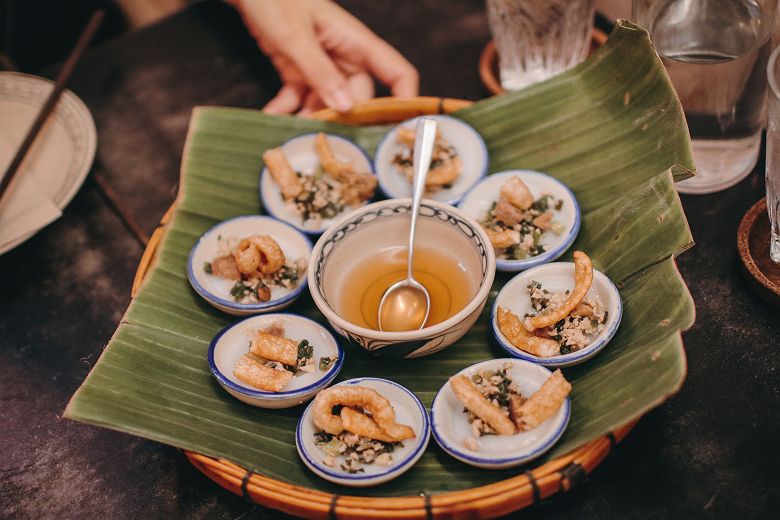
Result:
{"points": [[54, 97]]}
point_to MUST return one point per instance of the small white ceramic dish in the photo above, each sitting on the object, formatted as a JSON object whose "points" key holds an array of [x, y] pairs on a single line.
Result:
{"points": [[463, 137], [302, 156], [479, 200], [408, 410], [233, 341], [451, 427], [557, 276], [65, 148], [360, 234], [216, 290]]}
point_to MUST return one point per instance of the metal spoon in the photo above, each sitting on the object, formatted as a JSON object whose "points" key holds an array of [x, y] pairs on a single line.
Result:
{"points": [[406, 304]]}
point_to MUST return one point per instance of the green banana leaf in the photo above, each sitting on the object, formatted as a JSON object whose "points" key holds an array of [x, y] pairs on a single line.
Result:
{"points": [[611, 128]]}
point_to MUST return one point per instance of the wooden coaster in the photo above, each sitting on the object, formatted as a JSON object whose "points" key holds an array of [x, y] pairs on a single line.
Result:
{"points": [[753, 244], [488, 61]]}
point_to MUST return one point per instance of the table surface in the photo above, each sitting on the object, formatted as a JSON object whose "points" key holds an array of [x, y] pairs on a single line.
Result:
{"points": [[708, 452]]}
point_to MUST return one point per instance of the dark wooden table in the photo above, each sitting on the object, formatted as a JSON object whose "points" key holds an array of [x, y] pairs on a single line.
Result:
{"points": [[709, 452]]}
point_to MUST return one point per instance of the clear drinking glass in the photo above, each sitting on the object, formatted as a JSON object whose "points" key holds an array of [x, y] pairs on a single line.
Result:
{"points": [[773, 156], [537, 39], [715, 52]]}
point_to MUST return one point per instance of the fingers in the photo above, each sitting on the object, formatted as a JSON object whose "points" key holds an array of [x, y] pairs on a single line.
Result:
{"points": [[311, 104], [287, 100], [320, 72], [361, 86], [392, 69]]}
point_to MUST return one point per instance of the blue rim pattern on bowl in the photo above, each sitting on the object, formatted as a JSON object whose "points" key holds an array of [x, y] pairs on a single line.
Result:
{"points": [[452, 202], [207, 295], [563, 360], [329, 376], [421, 443], [264, 171], [552, 254], [509, 460]]}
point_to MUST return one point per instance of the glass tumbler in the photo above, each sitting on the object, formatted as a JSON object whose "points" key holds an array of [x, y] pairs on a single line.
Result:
{"points": [[773, 156], [537, 39], [716, 53]]}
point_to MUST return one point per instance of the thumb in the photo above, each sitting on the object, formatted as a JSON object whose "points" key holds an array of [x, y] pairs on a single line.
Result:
{"points": [[321, 74]]}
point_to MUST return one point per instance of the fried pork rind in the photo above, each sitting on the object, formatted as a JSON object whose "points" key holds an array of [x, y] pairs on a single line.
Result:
{"points": [[254, 373], [468, 394], [335, 168], [444, 174], [258, 253], [289, 182], [583, 277], [356, 187], [361, 424], [356, 397], [511, 326], [274, 348], [441, 175], [503, 239], [515, 191], [543, 403]]}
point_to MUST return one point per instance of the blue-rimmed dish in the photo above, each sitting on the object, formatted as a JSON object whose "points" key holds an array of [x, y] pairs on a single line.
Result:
{"points": [[480, 199], [468, 144], [451, 427], [216, 291], [301, 154], [231, 342], [557, 276], [408, 410]]}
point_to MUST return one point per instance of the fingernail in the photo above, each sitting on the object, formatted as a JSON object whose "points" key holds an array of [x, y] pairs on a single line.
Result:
{"points": [[340, 100]]}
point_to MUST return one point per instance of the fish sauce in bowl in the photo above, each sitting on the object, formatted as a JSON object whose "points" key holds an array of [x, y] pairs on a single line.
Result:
{"points": [[446, 280]]}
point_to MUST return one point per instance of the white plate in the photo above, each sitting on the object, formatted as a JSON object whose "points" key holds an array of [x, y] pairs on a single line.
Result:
{"points": [[408, 410], [65, 148], [555, 277], [463, 137], [478, 201], [231, 342], [451, 425], [302, 156], [216, 290]]}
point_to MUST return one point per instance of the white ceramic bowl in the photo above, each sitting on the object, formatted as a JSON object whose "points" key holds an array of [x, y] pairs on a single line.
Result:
{"points": [[359, 235], [408, 410], [463, 137], [451, 426], [231, 342], [302, 156], [557, 276], [478, 201], [216, 290]]}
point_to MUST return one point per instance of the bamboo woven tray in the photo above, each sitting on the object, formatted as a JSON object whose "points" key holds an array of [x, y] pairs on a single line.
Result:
{"points": [[611, 128], [488, 501]]}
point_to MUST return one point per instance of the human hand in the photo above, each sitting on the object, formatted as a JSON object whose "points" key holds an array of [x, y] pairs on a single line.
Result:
{"points": [[324, 55]]}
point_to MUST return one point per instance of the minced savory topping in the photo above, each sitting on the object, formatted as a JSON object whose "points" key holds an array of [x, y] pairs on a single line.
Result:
{"points": [[445, 167], [575, 331], [498, 388], [350, 452], [522, 229], [304, 363]]}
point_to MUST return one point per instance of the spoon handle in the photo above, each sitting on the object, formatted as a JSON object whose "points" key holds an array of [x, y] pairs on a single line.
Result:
{"points": [[423, 150]]}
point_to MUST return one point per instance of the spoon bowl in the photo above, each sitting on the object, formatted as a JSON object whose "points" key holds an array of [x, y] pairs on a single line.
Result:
{"points": [[406, 304]]}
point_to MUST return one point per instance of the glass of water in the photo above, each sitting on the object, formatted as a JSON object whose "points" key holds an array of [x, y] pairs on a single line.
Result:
{"points": [[716, 53], [773, 156], [537, 39]]}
